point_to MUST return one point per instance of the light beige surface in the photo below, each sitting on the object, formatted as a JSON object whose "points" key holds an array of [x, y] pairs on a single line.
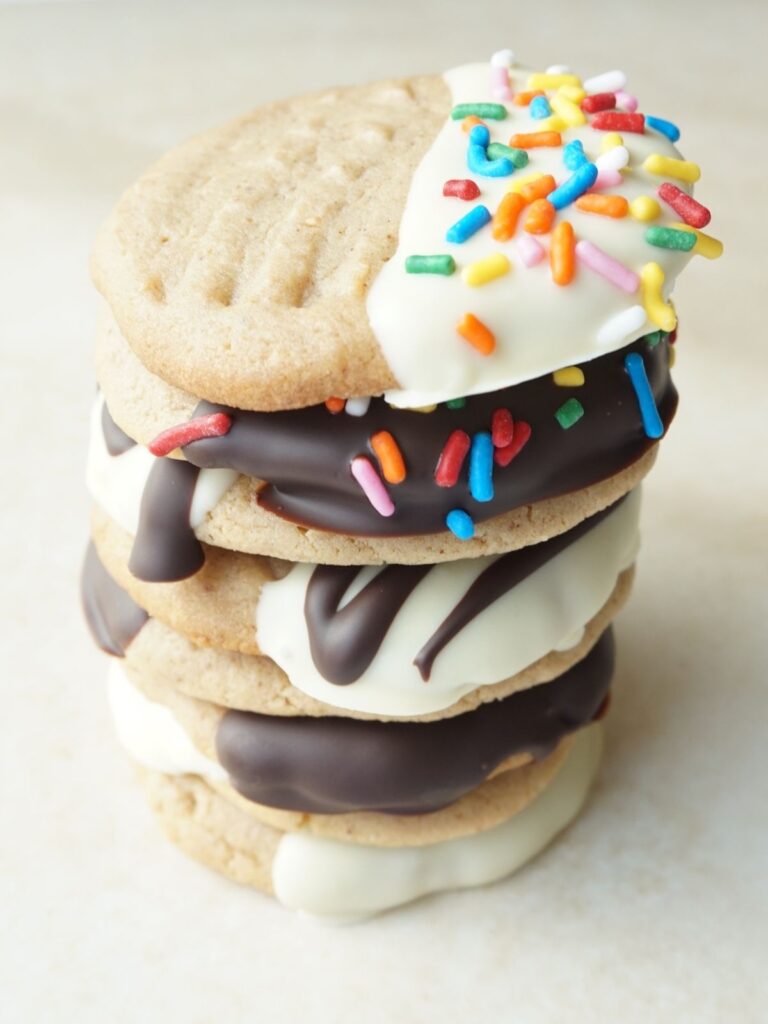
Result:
{"points": [[654, 906]]}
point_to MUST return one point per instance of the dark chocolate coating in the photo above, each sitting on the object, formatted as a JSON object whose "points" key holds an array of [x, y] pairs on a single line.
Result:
{"points": [[304, 455], [339, 765], [112, 615], [165, 547], [116, 440], [344, 643]]}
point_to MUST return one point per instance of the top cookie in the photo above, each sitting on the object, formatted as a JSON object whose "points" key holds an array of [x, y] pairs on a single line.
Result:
{"points": [[265, 264]]}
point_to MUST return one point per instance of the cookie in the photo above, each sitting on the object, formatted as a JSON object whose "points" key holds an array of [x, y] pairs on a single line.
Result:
{"points": [[401, 626], [340, 880], [277, 260], [332, 765], [171, 506]]}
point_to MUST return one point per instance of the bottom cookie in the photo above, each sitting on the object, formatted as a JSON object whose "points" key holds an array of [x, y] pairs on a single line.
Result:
{"points": [[346, 881]]}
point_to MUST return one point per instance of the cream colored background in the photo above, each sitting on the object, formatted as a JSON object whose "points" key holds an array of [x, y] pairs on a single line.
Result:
{"points": [[654, 908]]}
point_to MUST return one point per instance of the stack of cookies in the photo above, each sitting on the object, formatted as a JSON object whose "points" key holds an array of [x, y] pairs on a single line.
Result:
{"points": [[381, 370]]}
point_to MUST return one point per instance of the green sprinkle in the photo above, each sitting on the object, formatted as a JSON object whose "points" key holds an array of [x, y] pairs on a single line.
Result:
{"points": [[430, 265], [456, 403], [670, 238], [654, 339], [570, 412], [517, 157], [494, 111]]}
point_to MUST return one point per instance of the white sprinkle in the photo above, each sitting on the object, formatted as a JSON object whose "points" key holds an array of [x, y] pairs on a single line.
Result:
{"points": [[619, 327], [357, 406], [559, 69], [503, 59], [613, 160], [609, 81]]}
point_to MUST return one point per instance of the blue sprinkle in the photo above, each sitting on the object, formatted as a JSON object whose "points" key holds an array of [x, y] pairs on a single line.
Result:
{"points": [[573, 187], [479, 135], [478, 163], [635, 367], [467, 225], [539, 107], [481, 467], [574, 155], [671, 131], [460, 524]]}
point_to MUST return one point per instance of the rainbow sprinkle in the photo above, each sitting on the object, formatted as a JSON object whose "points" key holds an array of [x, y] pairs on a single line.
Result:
{"points": [[370, 483], [460, 523], [570, 412], [481, 467], [649, 414]]}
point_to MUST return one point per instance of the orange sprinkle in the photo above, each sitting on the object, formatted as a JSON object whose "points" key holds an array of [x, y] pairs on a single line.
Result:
{"points": [[477, 334], [538, 189], [539, 218], [535, 139], [562, 253], [505, 219], [608, 206], [390, 457], [523, 99], [470, 121], [335, 405]]}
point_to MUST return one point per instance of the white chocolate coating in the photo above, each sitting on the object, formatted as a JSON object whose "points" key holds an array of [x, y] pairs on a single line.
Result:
{"points": [[116, 482], [548, 610], [344, 881], [151, 734], [539, 326]]}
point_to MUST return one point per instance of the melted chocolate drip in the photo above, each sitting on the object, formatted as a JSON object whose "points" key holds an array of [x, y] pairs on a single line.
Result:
{"points": [[116, 440], [165, 547], [113, 616], [344, 643], [338, 765], [305, 454], [494, 582]]}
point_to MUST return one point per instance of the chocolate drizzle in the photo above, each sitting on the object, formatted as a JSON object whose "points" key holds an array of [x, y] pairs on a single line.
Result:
{"points": [[304, 455], [113, 617], [344, 643], [339, 765], [165, 547], [116, 440]]}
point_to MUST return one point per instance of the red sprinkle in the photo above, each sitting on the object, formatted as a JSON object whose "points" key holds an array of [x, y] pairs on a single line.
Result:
{"points": [[461, 188], [452, 459], [503, 456], [502, 428], [672, 337], [685, 206], [216, 424], [599, 101], [612, 121]]}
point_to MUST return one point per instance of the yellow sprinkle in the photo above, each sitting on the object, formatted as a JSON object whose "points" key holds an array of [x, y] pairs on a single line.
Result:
{"points": [[672, 355], [423, 408], [659, 312], [644, 208], [485, 270], [539, 80], [555, 123], [567, 109], [668, 167], [569, 377], [707, 246], [574, 93], [610, 141], [524, 179]]}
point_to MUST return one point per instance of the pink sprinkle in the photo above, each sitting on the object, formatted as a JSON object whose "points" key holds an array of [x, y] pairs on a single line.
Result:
{"points": [[371, 485], [500, 87], [529, 250], [607, 266], [626, 101], [606, 179]]}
